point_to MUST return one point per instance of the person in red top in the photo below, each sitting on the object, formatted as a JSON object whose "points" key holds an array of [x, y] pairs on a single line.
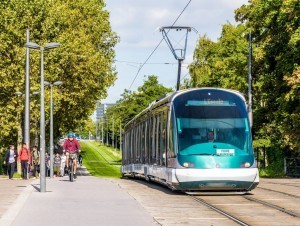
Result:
{"points": [[24, 157], [71, 147]]}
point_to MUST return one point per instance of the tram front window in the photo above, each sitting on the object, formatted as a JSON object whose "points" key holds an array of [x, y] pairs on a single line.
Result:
{"points": [[210, 121]]}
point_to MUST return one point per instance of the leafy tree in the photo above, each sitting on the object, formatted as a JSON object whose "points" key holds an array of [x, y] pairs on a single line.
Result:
{"points": [[83, 62], [132, 103], [223, 63], [275, 26]]}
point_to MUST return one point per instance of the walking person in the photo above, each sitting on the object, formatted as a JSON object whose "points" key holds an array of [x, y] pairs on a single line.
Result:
{"points": [[10, 159], [56, 164], [35, 161], [47, 164], [25, 160], [63, 164]]}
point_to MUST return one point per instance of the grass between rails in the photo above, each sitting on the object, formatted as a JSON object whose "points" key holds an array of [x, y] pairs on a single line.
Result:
{"points": [[99, 160]]}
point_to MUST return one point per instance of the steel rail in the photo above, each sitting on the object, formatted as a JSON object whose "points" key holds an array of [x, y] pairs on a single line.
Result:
{"points": [[280, 192], [231, 217], [290, 185], [289, 212]]}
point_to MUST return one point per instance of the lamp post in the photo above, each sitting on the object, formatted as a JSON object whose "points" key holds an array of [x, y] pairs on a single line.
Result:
{"points": [[51, 45], [51, 121]]}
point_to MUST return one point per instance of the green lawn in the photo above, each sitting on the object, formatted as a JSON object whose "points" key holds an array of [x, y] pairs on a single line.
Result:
{"points": [[99, 160]]}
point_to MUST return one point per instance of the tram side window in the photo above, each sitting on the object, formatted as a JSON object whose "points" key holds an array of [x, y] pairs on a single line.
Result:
{"points": [[153, 145], [126, 149], [132, 146], [163, 138], [148, 141], [172, 136], [158, 143], [137, 142], [143, 142], [158, 140]]}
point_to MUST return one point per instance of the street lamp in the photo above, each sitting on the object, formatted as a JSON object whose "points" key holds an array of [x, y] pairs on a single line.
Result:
{"points": [[51, 121], [51, 45]]}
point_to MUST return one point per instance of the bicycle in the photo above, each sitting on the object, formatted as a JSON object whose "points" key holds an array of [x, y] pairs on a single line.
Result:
{"points": [[71, 166]]}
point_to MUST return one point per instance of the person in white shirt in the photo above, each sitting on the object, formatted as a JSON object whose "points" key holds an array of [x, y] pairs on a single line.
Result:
{"points": [[11, 159], [63, 164]]}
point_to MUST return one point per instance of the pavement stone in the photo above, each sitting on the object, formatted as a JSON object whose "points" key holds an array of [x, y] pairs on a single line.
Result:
{"points": [[86, 201]]}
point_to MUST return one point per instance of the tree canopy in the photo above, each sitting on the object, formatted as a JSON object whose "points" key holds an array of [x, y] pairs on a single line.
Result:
{"points": [[83, 62], [131, 104], [275, 28]]}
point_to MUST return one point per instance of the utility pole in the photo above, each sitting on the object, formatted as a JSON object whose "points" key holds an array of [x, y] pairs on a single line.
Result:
{"points": [[27, 97], [250, 113], [102, 137], [120, 137], [113, 133]]}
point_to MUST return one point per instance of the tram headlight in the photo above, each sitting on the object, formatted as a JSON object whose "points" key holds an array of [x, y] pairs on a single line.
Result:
{"points": [[245, 164], [188, 164]]}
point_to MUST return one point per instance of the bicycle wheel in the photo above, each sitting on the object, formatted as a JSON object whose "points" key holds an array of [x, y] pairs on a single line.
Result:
{"points": [[71, 173]]}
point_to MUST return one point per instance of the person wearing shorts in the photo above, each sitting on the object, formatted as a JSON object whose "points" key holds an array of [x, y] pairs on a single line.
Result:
{"points": [[71, 147]]}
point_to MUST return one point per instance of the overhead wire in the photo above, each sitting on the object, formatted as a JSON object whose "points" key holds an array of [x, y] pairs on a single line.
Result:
{"points": [[142, 65]]}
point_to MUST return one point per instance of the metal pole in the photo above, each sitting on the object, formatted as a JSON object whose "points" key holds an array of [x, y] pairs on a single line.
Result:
{"points": [[51, 131], [250, 113], [178, 75], [107, 133], [42, 129], [120, 137], [102, 132], [113, 133], [27, 97]]}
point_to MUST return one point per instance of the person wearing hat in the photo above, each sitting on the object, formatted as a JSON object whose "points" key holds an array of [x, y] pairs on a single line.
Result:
{"points": [[10, 159], [71, 147]]}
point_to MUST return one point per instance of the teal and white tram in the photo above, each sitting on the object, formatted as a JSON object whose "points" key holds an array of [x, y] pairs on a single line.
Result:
{"points": [[193, 140]]}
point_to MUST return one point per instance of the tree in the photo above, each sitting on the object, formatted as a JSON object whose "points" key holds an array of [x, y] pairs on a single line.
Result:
{"points": [[222, 63], [132, 103], [83, 62], [275, 27]]}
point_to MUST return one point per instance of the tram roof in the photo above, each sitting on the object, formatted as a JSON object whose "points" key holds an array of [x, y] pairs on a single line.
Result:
{"points": [[169, 97]]}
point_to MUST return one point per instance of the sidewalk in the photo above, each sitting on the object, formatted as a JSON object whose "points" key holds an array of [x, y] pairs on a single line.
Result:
{"points": [[86, 201]]}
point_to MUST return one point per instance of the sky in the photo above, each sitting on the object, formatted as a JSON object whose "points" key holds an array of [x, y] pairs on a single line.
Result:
{"points": [[137, 23]]}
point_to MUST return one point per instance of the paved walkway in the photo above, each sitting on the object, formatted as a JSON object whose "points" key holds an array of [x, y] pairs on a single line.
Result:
{"points": [[86, 201]]}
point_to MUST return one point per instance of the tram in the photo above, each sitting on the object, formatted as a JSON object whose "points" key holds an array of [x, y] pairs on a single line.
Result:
{"points": [[193, 140]]}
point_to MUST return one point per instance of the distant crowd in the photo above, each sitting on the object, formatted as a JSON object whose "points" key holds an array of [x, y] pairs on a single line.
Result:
{"points": [[30, 161]]}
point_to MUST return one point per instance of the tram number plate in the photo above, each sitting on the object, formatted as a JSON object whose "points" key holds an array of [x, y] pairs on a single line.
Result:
{"points": [[225, 152]]}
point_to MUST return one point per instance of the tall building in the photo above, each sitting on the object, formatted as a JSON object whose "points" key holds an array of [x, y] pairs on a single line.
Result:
{"points": [[101, 110]]}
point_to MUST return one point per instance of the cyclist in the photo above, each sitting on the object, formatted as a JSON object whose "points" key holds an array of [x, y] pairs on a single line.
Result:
{"points": [[71, 147]]}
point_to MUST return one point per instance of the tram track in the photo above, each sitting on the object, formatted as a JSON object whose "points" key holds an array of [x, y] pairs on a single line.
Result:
{"points": [[289, 212], [280, 192], [235, 216], [224, 213], [290, 185]]}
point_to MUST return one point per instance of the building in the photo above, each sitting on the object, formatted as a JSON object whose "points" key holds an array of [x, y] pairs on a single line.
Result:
{"points": [[101, 110]]}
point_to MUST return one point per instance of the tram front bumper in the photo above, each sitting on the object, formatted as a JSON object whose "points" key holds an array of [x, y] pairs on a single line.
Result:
{"points": [[217, 179]]}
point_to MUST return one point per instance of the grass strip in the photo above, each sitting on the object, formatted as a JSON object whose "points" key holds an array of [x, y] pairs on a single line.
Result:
{"points": [[99, 160]]}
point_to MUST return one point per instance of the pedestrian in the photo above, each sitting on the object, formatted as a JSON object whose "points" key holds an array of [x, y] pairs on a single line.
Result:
{"points": [[63, 164], [35, 161], [10, 159], [47, 163], [24, 155], [56, 164], [59, 148]]}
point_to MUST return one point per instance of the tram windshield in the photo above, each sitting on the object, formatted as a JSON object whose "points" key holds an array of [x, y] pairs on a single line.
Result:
{"points": [[212, 122]]}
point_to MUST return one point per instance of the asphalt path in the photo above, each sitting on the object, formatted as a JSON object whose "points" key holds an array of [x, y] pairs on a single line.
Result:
{"points": [[86, 201]]}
